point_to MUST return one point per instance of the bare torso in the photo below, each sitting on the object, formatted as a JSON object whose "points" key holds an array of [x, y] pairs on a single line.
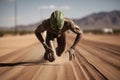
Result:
{"points": [[68, 25], [59, 34]]}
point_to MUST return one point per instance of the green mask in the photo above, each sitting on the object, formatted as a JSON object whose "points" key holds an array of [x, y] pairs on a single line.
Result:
{"points": [[57, 20]]}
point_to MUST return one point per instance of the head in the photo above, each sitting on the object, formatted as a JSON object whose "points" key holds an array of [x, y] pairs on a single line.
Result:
{"points": [[57, 20]]}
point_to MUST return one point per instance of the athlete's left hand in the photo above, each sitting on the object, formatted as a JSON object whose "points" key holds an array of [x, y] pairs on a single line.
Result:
{"points": [[71, 52]]}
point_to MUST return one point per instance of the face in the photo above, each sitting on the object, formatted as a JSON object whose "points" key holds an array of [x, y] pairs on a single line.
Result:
{"points": [[56, 30], [56, 26]]}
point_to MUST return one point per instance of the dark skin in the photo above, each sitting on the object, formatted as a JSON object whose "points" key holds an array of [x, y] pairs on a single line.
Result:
{"points": [[59, 35]]}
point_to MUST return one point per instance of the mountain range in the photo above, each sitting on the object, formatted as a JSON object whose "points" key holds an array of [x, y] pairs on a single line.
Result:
{"points": [[100, 20], [93, 21]]}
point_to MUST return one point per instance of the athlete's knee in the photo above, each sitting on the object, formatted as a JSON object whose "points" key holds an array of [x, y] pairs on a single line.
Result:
{"points": [[60, 51]]}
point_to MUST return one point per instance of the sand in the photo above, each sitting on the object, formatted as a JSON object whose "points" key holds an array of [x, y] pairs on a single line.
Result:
{"points": [[97, 58]]}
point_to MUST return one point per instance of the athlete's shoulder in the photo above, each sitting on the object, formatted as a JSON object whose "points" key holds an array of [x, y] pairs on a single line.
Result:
{"points": [[72, 26], [43, 26], [68, 20], [46, 21]]}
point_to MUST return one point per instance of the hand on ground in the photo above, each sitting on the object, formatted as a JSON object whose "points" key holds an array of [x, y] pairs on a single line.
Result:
{"points": [[49, 55], [71, 53]]}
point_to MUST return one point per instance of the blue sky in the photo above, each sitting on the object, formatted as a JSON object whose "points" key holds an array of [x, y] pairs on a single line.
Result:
{"points": [[32, 11]]}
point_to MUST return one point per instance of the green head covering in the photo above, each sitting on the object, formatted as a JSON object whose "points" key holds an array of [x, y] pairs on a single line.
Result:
{"points": [[57, 20]]}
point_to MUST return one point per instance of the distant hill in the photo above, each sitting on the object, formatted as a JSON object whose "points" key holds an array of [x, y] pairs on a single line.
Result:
{"points": [[93, 21], [100, 20]]}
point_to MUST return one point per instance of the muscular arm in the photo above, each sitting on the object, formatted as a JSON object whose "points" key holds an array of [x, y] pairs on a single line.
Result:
{"points": [[77, 31], [38, 32], [74, 28]]}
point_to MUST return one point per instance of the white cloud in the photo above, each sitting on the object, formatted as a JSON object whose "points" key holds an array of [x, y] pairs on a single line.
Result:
{"points": [[51, 7], [65, 7], [47, 7]]}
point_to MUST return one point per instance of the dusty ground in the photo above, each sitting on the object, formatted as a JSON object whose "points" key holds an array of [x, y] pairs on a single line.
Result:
{"points": [[97, 58]]}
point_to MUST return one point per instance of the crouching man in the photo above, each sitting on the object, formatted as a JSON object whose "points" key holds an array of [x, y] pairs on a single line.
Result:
{"points": [[56, 26]]}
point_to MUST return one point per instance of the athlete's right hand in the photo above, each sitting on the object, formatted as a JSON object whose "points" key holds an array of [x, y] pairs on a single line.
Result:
{"points": [[48, 49]]}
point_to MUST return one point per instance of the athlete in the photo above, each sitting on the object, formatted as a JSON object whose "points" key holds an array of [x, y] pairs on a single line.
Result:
{"points": [[55, 27]]}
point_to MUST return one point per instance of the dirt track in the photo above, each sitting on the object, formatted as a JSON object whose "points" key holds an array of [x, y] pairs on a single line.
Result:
{"points": [[95, 60]]}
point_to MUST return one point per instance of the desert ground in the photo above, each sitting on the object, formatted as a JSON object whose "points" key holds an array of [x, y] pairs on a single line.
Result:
{"points": [[97, 58]]}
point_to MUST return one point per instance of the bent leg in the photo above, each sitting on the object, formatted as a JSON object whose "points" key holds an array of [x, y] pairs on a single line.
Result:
{"points": [[49, 55], [61, 41]]}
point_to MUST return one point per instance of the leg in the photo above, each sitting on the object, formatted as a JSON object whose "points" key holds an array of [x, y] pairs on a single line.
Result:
{"points": [[61, 44], [49, 55]]}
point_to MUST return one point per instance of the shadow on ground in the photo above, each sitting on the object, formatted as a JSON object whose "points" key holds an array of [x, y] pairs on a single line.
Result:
{"points": [[30, 63], [27, 63]]}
